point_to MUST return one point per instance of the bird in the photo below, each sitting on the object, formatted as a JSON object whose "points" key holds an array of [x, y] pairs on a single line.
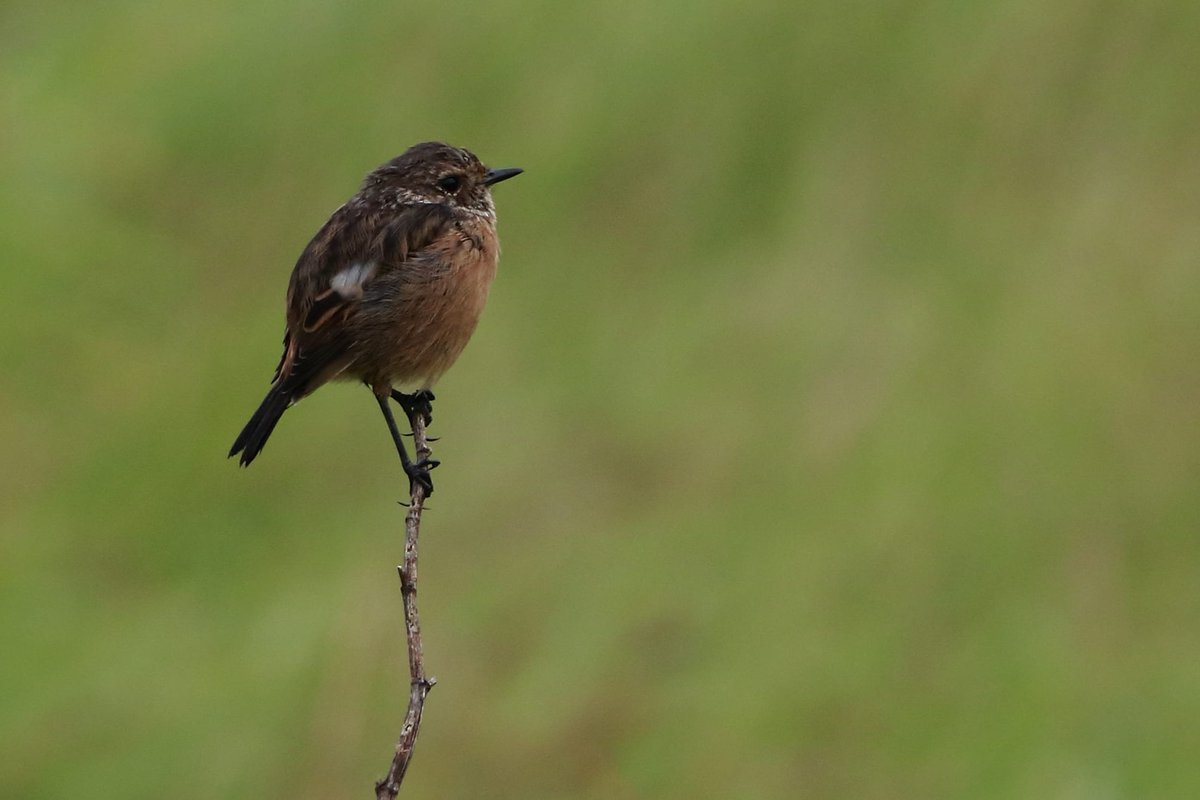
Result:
{"points": [[389, 291]]}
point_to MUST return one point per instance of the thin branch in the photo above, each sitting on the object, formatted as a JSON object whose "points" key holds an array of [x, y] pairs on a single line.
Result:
{"points": [[420, 685]]}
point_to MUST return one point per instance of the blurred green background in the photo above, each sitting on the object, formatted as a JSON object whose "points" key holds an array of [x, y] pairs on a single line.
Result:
{"points": [[831, 431]]}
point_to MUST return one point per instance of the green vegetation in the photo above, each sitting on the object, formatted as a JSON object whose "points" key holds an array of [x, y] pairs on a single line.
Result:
{"points": [[832, 430]]}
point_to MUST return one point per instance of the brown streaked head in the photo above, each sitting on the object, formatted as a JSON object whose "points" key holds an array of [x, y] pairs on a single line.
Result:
{"points": [[435, 172]]}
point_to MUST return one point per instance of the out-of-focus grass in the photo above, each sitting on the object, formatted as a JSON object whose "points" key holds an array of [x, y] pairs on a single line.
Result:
{"points": [[831, 431]]}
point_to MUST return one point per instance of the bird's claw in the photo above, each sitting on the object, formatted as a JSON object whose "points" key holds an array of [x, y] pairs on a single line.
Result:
{"points": [[417, 403], [418, 474]]}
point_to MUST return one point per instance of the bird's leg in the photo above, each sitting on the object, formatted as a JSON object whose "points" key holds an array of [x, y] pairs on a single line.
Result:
{"points": [[419, 402], [417, 472]]}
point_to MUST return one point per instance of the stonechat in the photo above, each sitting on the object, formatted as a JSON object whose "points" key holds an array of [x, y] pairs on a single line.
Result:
{"points": [[389, 290]]}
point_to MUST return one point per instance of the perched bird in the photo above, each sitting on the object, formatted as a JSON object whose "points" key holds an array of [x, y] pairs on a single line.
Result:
{"points": [[389, 290]]}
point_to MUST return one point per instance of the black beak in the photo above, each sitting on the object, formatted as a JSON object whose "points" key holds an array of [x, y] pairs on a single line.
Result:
{"points": [[497, 175]]}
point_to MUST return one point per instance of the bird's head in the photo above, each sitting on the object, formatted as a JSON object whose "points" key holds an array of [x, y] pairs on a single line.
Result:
{"points": [[434, 172]]}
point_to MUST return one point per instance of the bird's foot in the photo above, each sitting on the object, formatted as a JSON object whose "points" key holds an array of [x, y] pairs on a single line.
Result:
{"points": [[418, 474], [419, 402]]}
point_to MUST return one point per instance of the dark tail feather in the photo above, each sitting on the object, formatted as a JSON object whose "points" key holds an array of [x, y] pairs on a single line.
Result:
{"points": [[252, 438]]}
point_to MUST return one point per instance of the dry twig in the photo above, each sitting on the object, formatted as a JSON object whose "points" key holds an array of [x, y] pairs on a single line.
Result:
{"points": [[420, 685]]}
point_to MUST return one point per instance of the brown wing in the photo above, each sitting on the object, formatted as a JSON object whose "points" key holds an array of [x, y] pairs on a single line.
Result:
{"points": [[353, 247]]}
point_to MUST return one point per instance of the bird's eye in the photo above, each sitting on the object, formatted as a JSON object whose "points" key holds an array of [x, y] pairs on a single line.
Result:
{"points": [[449, 183]]}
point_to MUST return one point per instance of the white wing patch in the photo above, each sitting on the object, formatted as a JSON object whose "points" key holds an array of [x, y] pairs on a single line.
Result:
{"points": [[349, 282]]}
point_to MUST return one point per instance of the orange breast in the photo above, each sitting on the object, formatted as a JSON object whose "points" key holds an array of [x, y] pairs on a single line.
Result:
{"points": [[443, 313]]}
